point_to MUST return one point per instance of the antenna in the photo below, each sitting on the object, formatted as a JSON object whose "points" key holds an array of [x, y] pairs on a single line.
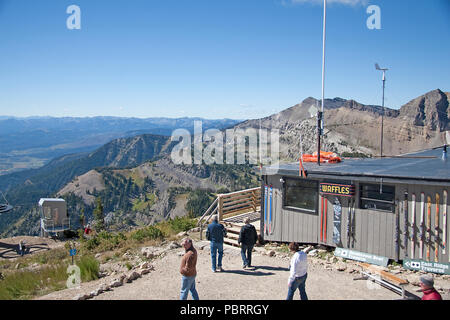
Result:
{"points": [[320, 113], [377, 66]]}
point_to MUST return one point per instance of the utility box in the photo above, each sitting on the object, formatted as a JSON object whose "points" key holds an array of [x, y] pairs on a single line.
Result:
{"points": [[54, 218]]}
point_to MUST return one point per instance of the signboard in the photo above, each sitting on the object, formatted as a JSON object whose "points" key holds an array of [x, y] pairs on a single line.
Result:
{"points": [[73, 252], [343, 190], [361, 256], [427, 266]]}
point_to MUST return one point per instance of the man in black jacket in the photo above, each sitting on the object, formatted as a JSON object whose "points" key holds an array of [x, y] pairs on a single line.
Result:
{"points": [[247, 239]]}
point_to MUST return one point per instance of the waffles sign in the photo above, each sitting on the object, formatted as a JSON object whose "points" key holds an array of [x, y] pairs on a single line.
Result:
{"points": [[337, 189]]}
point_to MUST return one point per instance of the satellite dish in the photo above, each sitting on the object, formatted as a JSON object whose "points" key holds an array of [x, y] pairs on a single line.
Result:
{"points": [[5, 207]]}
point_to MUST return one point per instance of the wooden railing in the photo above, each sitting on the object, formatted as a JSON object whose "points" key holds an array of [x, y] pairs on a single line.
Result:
{"points": [[229, 204]]}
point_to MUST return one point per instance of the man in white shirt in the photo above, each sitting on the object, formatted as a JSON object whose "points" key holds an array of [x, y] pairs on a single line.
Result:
{"points": [[298, 272]]}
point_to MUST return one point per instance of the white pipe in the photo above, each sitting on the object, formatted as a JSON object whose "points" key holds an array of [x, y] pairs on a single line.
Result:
{"points": [[323, 53]]}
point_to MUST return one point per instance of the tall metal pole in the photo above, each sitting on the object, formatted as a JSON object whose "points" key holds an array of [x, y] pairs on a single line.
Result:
{"points": [[320, 113], [382, 115]]}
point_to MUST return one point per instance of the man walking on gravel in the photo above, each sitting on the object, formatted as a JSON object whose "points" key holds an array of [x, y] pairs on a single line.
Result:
{"points": [[247, 240], [188, 270], [298, 272], [215, 234]]}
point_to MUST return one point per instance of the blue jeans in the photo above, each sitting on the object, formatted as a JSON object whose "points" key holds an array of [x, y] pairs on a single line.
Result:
{"points": [[300, 284], [188, 284], [246, 254], [216, 247]]}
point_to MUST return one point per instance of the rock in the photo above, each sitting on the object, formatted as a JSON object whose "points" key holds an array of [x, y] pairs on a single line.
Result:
{"points": [[144, 271], [144, 265], [94, 293], [103, 288], [182, 234], [82, 296], [115, 284], [174, 245], [341, 266], [181, 253], [272, 253], [98, 255], [151, 252], [352, 270], [123, 278], [195, 229], [396, 271], [312, 253], [132, 276]]}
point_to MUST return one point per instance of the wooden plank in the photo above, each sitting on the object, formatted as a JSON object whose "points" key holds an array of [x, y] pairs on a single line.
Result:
{"points": [[231, 242], [238, 193], [235, 198], [383, 274], [238, 204]]}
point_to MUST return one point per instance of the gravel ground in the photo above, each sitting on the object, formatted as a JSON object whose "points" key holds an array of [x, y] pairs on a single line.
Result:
{"points": [[268, 281]]}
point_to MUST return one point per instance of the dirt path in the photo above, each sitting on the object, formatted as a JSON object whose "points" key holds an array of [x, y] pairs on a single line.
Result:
{"points": [[267, 282]]}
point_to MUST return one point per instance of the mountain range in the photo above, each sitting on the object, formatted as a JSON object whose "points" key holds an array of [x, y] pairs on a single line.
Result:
{"points": [[31, 142], [352, 128], [139, 184]]}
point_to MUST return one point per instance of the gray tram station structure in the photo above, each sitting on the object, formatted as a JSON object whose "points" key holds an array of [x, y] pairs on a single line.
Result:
{"points": [[54, 217], [394, 208]]}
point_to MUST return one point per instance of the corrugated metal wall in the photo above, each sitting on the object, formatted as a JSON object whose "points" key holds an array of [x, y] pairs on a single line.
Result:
{"points": [[374, 231]]}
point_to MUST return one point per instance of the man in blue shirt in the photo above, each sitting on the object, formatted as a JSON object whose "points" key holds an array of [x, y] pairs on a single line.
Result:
{"points": [[215, 233]]}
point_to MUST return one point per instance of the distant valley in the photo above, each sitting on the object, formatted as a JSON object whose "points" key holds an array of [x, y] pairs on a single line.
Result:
{"points": [[29, 143]]}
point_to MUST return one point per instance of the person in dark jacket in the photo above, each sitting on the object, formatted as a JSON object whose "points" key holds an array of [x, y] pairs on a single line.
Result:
{"points": [[188, 270], [215, 234], [427, 285], [247, 240]]}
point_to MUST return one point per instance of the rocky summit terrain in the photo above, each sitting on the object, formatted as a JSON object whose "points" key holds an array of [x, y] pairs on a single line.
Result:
{"points": [[153, 274], [354, 128]]}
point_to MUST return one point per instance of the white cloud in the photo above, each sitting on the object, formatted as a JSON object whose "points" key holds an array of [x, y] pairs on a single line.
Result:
{"points": [[344, 2]]}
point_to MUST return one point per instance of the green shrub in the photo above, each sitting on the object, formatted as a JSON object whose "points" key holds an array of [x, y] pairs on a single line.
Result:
{"points": [[148, 233], [92, 243], [89, 267], [180, 224]]}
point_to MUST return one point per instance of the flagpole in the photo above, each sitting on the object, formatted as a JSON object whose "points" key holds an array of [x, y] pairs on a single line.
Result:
{"points": [[320, 113]]}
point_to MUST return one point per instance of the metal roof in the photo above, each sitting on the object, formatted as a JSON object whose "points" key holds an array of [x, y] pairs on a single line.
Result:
{"points": [[43, 201], [421, 166]]}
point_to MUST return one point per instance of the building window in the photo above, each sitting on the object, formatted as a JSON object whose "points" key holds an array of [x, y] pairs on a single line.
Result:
{"points": [[372, 198], [301, 194]]}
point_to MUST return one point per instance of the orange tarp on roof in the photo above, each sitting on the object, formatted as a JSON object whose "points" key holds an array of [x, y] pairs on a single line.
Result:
{"points": [[325, 157]]}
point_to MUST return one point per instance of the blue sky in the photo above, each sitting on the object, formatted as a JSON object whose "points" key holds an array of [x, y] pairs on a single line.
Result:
{"points": [[214, 58]]}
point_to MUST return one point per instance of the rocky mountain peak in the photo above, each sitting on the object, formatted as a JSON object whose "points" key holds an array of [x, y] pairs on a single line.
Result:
{"points": [[430, 110]]}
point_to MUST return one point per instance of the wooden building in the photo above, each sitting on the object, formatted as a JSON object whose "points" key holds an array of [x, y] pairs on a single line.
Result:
{"points": [[394, 208]]}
